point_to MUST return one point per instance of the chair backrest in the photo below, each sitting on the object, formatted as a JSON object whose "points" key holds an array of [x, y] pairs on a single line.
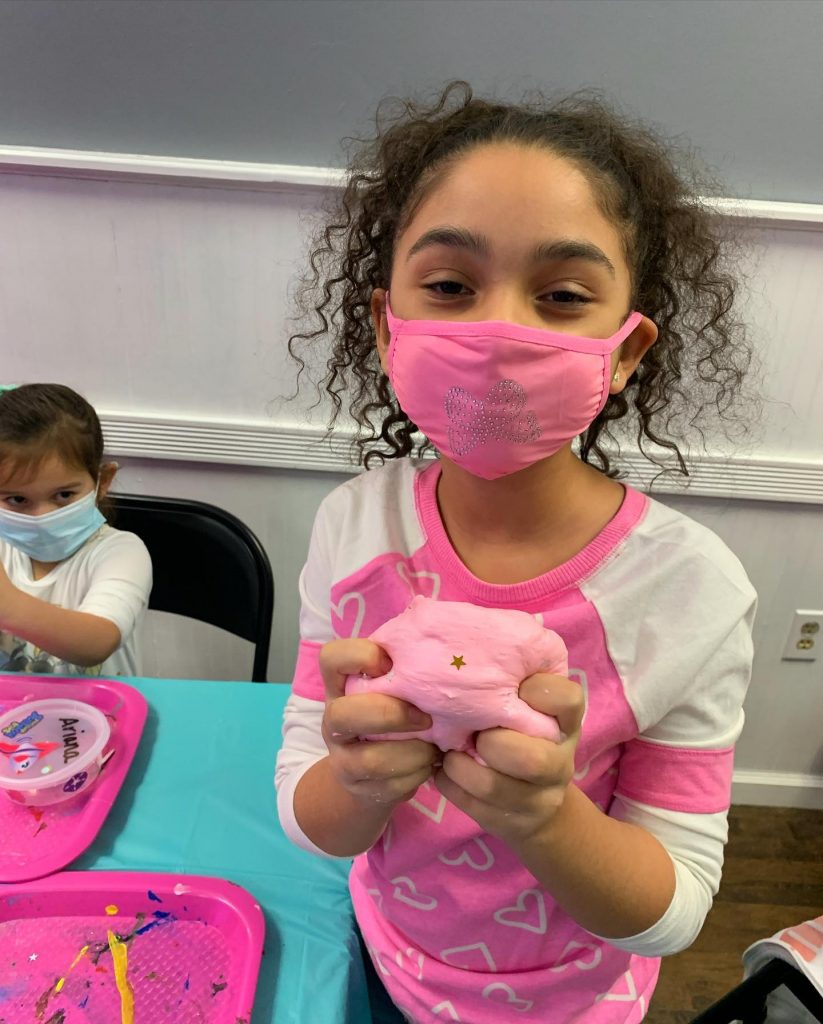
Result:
{"points": [[208, 565]]}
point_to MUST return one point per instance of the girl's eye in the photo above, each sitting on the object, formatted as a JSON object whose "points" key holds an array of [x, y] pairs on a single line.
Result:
{"points": [[15, 500], [65, 495], [447, 288], [567, 298]]}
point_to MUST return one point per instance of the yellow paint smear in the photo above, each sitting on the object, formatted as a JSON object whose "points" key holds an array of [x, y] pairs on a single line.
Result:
{"points": [[79, 957], [120, 957], [111, 910], [62, 981]]}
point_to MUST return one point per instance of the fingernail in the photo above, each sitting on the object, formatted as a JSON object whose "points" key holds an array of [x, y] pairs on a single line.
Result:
{"points": [[419, 718]]}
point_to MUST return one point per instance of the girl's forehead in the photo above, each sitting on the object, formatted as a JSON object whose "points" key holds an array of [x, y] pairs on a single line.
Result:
{"points": [[17, 471], [518, 194]]}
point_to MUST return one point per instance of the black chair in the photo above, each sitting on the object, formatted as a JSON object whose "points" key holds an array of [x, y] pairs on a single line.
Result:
{"points": [[208, 565], [747, 1002]]}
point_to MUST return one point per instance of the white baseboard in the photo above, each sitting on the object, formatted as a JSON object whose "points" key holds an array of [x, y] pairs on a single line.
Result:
{"points": [[292, 446], [778, 789]]}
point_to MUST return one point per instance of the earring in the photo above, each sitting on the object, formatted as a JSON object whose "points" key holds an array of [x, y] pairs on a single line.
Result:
{"points": [[616, 377]]}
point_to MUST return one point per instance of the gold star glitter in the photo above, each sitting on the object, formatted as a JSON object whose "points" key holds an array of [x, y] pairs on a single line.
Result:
{"points": [[457, 661]]}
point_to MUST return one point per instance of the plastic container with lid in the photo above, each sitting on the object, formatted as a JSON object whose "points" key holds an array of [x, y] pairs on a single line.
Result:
{"points": [[51, 750]]}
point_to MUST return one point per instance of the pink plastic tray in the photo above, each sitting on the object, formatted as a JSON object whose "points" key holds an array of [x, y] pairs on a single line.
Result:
{"points": [[187, 950], [39, 840]]}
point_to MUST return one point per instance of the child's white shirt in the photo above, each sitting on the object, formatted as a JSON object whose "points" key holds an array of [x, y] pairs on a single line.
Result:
{"points": [[109, 576]]}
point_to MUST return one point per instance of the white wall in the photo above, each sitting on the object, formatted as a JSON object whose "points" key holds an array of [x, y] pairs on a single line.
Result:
{"points": [[165, 304]]}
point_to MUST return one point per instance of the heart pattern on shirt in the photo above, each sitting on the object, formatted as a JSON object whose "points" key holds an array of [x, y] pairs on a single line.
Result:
{"points": [[449, 1009], [512, 999], [579, 962], [409, 576], [406, 891], [629, 996], [481, 862], [518, 915], [434, 812], [457, 956], [415, 960], [360, 613]]}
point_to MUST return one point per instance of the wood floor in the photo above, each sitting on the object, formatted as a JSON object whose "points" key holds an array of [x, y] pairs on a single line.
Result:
{"points": [[773, 877]]}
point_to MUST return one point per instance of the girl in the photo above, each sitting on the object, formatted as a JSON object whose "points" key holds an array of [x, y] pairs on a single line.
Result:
{"points": [[72, 589], [506, 279]]}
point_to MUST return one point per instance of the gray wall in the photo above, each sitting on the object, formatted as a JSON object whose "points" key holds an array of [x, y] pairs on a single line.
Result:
{"points": [[282, 80]]}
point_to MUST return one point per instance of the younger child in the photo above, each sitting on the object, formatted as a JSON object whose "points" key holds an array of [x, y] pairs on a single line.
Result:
{"points": [[505, 280], [72, 588]]}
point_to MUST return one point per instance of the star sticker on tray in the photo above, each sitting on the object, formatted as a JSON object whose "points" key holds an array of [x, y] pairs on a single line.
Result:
{"points": [[457, 661], [33, 957]]}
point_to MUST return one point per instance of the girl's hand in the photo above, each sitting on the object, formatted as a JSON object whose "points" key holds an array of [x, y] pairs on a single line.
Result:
{"points": [[523, 785], [383, 772]]}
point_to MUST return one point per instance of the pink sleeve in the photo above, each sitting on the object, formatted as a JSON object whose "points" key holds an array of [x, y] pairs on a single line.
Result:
{"points": [[696, 781], [308, 681]]}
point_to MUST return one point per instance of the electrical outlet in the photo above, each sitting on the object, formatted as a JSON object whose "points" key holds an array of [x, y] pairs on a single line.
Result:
{"points": [[805, 638]]}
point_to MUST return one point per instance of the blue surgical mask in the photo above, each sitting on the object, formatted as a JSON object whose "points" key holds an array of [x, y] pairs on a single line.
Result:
{"points": [[55, 535]]}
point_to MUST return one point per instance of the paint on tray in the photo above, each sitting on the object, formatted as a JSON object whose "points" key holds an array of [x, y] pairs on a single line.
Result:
{"points": [[120, 956]]}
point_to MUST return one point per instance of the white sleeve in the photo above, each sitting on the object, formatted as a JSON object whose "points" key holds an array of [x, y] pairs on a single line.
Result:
{"points": [[303, 744], [302, 747], [679, 636], [119, 584], [695, 843]]}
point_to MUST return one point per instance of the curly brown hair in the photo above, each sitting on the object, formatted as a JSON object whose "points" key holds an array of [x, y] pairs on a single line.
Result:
{"points": [[679, 258]]}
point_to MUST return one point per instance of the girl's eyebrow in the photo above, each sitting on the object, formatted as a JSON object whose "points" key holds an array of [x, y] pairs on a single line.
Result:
{"points": [[573, 249], [557, 251], [62, 487], [453, 238]]}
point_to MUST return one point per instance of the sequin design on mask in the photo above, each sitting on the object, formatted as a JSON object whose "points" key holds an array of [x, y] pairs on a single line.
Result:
{"points": [[500, 416]]}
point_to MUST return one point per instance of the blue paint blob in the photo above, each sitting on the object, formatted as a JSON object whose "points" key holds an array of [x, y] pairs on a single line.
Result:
{"points": [[82, 1005], [153, 896], [161, 914], [186, 984]]}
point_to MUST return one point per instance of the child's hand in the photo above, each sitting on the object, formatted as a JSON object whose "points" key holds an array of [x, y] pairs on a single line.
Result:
{"points": [[374, 772], [524, 783]]}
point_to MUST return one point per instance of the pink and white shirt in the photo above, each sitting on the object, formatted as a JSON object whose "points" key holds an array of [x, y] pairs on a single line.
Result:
{"points": [[656, 614]]}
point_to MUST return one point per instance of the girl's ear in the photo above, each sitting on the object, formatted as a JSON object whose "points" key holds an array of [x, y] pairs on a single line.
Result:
{"points": [[107, 474], [381, 325], [627, 358]]}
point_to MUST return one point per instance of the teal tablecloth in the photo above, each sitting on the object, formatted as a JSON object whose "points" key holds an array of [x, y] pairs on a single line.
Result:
{"points": [[200, 799]]}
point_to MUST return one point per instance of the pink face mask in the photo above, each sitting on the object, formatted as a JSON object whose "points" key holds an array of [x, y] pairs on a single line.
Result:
{"points": [[494, 396]]}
